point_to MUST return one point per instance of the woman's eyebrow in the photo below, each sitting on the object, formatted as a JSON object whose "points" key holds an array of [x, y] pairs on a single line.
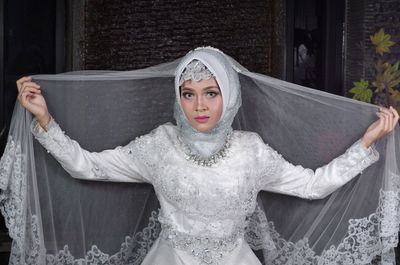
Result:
{"points": [[204, 88], [187, 88], [209, 87]]}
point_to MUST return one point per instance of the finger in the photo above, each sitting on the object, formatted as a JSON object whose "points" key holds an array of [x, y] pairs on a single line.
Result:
{"points": [[22, 80], [21, 84], [384, 117], [391, 118], [382, 114], [395, 119], [30, 95], [29, 85], [32, 90], [27, 96], [24, 98], [388, 123], [385, 110], [394, 111], [25, 93], [32, 84], [391, 121], [381, 123]]}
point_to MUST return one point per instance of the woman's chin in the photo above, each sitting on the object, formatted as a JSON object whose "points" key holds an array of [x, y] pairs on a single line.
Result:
{"points": [[203, 127]]}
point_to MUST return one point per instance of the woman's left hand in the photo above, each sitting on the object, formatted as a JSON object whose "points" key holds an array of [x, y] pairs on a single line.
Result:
{"points": [[388, 119]]}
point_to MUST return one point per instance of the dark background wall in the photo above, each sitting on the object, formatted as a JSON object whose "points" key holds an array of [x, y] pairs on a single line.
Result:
{"points": [[124, 35], [29, 45], [288, 39]]}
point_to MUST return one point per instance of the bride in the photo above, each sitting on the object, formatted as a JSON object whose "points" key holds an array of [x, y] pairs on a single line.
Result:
{"points": [[206, 175]]}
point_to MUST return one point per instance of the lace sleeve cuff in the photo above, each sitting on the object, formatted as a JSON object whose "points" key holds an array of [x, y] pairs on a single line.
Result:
{"points": [[369, 155], [39, 132], [54, 140]]}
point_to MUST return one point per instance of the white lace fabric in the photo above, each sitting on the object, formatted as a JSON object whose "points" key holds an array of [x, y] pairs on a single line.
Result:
{"points": [[13, 187], [204, 210], [195, 71]]}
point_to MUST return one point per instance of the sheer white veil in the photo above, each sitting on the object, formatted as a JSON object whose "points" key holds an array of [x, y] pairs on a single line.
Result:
{"points": [[54, 219]]}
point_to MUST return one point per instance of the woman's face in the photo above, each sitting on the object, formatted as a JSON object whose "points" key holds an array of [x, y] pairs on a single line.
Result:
{"points": [[201, 102]]}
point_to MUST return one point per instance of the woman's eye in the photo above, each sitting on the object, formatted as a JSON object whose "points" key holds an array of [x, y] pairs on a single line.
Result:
{"points": [[187, 95], [211, 94]]}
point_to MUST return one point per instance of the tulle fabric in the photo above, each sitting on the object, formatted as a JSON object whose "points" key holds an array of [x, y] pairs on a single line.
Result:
{"points": [[54, 219]]}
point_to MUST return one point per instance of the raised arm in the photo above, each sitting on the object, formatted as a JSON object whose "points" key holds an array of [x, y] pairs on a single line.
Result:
{"points": [[283, 177], [122, 164]]}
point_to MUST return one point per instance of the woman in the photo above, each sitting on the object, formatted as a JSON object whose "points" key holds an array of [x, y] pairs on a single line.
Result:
{"points": [[206, 175]]}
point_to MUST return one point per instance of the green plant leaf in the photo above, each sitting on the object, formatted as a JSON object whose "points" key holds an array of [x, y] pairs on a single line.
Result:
{"points": [[395, 67], [381, 41], [361, 91], [387, 76], [395, 94], [394, 83]]}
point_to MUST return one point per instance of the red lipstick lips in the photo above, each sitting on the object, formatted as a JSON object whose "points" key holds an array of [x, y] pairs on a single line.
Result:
{"points": [[202, 119]]}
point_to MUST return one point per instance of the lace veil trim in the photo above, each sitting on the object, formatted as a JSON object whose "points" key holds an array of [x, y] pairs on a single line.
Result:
{"points": [[368, 237]]}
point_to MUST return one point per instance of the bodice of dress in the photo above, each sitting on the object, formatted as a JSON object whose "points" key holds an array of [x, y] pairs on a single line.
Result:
{"points": [[204, 208]]}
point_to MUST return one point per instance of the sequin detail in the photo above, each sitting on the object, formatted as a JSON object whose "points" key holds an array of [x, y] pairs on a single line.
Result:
{"points": [[195, 71], [206, 249], [210, 161], [99, 172]]}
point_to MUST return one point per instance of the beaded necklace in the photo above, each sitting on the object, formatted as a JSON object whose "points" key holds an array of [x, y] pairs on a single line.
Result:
{"points": [[209, 161]]}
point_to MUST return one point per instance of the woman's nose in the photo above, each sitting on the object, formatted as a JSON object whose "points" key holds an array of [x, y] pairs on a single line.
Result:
{"points": [[200, 104]]}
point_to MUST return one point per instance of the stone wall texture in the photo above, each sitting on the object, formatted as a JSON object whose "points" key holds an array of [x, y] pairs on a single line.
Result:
{"points": [[126, 35]]}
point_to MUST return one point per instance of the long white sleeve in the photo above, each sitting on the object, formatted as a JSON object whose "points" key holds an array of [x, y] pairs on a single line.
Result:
{"points": [[283, 177], [121, 164]]}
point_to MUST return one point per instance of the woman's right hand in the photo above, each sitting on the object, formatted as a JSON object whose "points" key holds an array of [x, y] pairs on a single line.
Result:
{"points": [[30, 97]]}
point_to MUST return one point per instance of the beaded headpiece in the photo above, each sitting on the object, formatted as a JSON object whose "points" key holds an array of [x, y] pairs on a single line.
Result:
{"points": [[195, 71]]}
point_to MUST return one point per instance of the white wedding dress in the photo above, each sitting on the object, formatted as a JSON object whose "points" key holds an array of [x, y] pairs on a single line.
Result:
{"points": [[203, 207]]}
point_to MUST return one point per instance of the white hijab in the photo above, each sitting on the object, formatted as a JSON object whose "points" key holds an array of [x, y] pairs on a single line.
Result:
{"points": [[205, 144]]}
